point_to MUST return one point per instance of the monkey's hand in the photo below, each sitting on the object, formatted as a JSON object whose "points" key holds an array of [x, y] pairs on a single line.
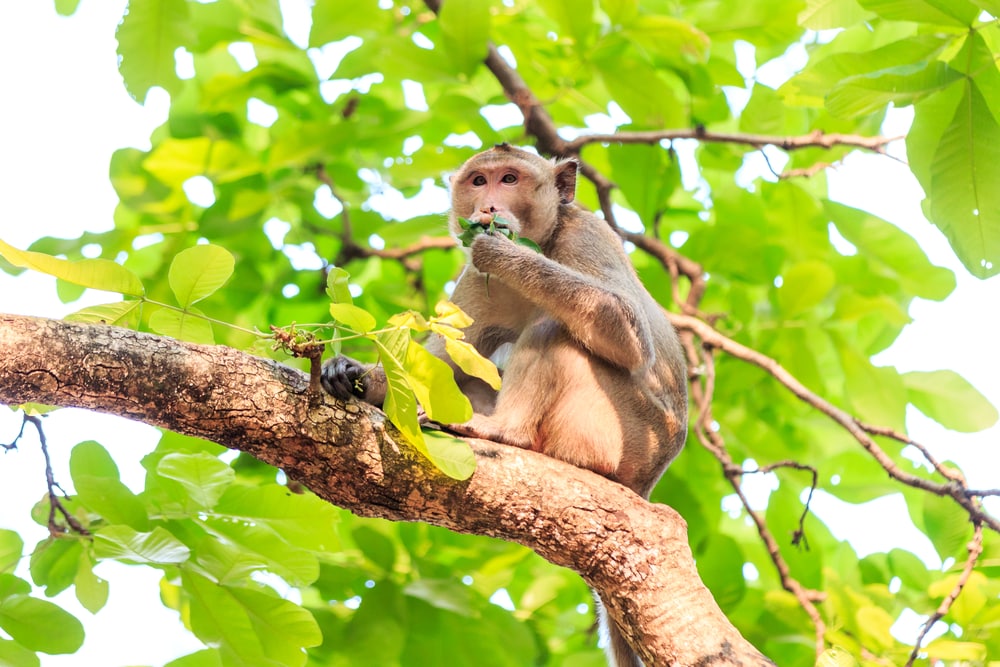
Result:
{"points": [[489, 249], [344, 377]]}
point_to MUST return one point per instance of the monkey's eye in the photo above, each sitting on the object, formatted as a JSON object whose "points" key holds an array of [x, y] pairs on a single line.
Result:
{"points": [[479, 180], [509, 178]]}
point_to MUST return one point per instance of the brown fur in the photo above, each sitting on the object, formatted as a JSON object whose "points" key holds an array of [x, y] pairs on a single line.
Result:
{"points": [[596, 375]]}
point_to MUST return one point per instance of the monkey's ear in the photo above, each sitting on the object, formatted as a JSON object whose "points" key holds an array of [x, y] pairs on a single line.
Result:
{"points": [[566, 180]]}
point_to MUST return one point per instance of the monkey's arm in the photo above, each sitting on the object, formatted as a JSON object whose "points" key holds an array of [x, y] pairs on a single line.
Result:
{"points": [[344, 377], [605, 318]]}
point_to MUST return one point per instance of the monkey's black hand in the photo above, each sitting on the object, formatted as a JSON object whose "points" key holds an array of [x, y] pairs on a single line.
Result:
{"points": [[344, 377]]}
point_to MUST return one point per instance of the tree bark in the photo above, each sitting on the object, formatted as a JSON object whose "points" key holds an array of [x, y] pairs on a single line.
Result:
{"points": [[635, 554]]}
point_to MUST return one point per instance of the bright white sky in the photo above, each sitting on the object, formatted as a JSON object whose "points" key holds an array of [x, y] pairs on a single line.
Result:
{"points": [[65, 111]]}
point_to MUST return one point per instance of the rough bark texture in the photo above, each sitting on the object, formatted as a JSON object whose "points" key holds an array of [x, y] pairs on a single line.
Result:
{"points": [[635, 554]]}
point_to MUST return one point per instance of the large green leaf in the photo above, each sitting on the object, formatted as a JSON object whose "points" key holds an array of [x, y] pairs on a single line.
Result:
{"points": [[54, 564], [946, 12], [39, 625], [11, 547], [157, 547], [433, 382], [13, 654], [465, 26], [147, 38], [964, 201], [804, 285], [202, 475], [190, 325], [99, 274], [300, 519], [575, 18], [252, 626], [946, 524], [199, 271], [98, 487], [949, 399], [825, 14], [871, 92]]}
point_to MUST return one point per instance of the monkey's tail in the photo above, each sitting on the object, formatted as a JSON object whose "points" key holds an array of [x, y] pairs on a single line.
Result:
{"points": [[619, 653]]}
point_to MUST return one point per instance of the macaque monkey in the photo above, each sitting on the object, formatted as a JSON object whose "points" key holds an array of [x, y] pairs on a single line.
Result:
{"points": [[594, 372]]}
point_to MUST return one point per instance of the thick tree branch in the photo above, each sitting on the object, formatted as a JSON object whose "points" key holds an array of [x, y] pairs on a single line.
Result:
{"points": [[633, 553]]}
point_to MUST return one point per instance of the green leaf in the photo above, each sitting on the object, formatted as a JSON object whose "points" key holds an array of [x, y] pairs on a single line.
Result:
{"points": [[575, 18], [400, 402], [875, 624], [949, 399], [199, 271], [451, 455], [54, 564], [447, 594], [448, 313], [893, 250], [947, 649], [190, 325], [173, 161], [91, 590], [147, 37], [67, 7], [720, 563], [946, 524], [99, 489], [202, 475], [99, 274], [209, 657], [665, 36], [11, 548], [467, 357], [964, 201], [300, 519], [433, 382], [39, 625], [257, 628], [947, 12], [354, 318], [836, 656], [647, 176], [13, 654], [235, 551], [870, 92], [465, 27], [875, 394], [158, 547], [826, 14], [121, 314], [338, 286], [620, 11], [804, 286], [376, 547]]}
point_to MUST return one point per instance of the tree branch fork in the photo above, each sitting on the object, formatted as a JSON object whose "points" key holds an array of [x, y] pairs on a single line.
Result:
{"points": [[633, 553]]}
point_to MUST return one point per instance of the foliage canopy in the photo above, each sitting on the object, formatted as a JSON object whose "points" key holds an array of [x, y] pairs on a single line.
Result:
{"points": [[284, 156]]}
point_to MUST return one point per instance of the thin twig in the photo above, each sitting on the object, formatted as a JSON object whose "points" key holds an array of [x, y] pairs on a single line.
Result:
{"points": [[975, 548], [954, 489], [709, 437], [55, 503], [815, 139]]}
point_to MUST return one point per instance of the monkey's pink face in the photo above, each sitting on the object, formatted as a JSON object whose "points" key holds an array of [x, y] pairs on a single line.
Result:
{"points": [[488, 192]]}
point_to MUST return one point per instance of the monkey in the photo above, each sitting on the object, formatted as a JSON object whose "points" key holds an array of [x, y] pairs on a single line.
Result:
{"points": [[595, 374]]}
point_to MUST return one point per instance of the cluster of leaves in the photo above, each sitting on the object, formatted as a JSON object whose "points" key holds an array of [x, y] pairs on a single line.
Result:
{"points": [[385, 96], [470, 230], [412, 372], [215, 527]]}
